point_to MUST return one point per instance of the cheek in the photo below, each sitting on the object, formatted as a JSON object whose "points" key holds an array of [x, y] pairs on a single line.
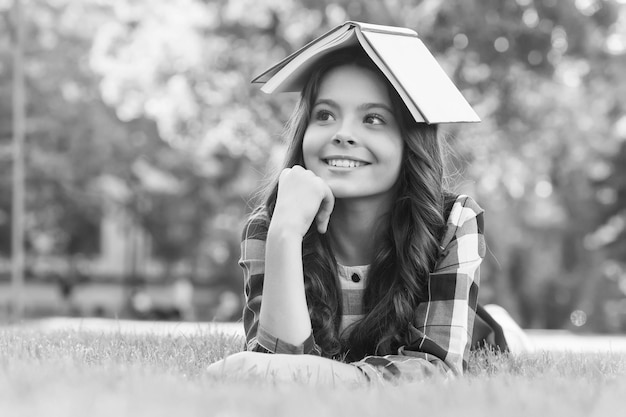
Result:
{"points": [[397, 168], [309, 150], [396, 156], [395, 152]]}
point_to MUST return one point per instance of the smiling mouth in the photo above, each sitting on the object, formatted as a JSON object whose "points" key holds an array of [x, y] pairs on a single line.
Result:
{"points": [[344, 163]]}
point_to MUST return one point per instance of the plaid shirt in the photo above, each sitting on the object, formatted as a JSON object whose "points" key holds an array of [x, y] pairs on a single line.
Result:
{"points": [[442, 329]]}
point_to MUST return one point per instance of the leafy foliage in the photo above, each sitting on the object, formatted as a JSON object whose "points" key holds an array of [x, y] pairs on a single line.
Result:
{"points": [[155, 98]]}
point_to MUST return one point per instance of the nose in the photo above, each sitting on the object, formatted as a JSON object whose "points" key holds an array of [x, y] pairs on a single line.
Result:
{"points": [[342, 138]]}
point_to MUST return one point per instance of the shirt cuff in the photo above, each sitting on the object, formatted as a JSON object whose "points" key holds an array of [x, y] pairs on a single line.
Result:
{"points": [[274, 345], [394, 368]]}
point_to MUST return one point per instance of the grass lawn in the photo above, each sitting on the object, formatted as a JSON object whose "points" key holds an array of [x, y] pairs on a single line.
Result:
{"points": [[69, 373]]}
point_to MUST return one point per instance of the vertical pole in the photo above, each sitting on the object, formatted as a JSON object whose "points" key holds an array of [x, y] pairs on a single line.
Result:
{"points": [[17, 230]]}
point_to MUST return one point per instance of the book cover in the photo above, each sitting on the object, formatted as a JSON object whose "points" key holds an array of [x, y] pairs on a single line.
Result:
{"points": [[428, 92]]}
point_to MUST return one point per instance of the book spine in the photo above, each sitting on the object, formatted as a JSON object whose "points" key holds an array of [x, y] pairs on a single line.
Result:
{"points": [[392, 30]]}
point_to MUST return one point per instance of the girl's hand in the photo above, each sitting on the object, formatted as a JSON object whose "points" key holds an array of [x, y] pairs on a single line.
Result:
{"points": [[302, 198]]}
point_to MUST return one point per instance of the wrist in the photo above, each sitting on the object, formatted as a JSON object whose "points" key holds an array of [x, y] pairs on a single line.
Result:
{"points": [[287, 224], [284, 231]]}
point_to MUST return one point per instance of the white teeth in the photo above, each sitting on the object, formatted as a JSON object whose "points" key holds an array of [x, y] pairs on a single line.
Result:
{"points": [[344, 163]]}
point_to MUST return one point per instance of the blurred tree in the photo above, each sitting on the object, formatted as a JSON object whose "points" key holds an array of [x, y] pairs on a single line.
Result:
{"points": [[74, 139], [157, 95], [534, 67], [60, 218]]}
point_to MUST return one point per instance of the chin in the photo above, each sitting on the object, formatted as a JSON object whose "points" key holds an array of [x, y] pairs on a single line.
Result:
{"points": [[345, 191], [341, 191]]}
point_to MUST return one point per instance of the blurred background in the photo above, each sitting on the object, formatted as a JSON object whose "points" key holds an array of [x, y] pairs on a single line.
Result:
{"points": [[144, 143]]}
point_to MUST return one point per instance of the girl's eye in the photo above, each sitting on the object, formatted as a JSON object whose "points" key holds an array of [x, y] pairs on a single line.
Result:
{"points": [[324, 116], [374, 119]]}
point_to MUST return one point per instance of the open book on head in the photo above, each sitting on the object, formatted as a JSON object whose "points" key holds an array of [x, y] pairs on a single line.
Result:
{"points": [[401, 56]]}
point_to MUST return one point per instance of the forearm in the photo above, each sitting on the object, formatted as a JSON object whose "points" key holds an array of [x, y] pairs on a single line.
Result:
{"points": [[288, 368], [284, 311], [314, 369]]}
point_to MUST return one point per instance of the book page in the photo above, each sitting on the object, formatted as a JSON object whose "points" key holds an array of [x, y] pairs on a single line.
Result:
{"points": [[419, 79], [369, 27], [291, 76], [383, 67]]}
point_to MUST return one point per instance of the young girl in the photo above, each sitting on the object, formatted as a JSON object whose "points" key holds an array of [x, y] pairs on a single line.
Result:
{"points": [[359, 265]]}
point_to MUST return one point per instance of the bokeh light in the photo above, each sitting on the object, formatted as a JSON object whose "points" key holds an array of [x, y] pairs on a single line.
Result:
{"points": [[578, 318]]}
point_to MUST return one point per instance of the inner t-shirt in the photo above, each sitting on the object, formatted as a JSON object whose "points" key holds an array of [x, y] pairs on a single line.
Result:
{"points": [[352, 280]]}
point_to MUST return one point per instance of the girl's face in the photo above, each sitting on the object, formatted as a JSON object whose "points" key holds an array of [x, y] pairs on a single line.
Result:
{"points": [[353, 140]]}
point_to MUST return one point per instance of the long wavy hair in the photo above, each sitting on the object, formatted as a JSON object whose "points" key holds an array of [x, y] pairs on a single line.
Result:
{"points": [[407, 242]]}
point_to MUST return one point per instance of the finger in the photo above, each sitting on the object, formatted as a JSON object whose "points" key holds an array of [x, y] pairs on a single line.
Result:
{"points": [[283, 173], [294, 170], [326, 209]]}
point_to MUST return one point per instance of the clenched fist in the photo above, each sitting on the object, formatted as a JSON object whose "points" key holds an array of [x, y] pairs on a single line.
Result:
{"points": [[302, 198]]}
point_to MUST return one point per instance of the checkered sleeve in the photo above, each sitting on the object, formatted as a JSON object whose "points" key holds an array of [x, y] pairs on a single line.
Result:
{"points": [[446, 319], [252, 262], [442, 331]]}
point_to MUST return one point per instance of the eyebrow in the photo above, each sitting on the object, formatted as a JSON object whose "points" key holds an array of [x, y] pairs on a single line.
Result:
{"points": [[369, 106], [364, 106]]}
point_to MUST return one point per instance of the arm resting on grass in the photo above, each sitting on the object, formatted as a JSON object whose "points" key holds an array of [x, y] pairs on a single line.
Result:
{"points": [[288, 368], [259, 336]]}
